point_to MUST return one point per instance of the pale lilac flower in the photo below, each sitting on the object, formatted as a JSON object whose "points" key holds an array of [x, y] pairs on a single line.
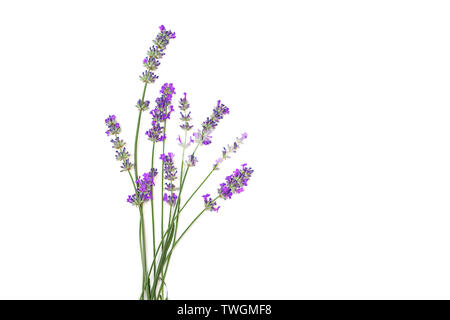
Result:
{"points": [[230, 149]]}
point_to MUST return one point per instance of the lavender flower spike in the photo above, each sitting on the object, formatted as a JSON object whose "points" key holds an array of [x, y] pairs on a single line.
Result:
{"points": [[230, 149], [203, 136], [161, 113], [121, 152], [143, 187], [151, 61], [235, 183], [185, 116], [170, 174]]}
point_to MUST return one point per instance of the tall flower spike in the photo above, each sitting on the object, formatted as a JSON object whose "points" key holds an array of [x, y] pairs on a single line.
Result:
{"points": [[235, 182], [151, 61], [121, 152], [185, 116], [230, 149], [203, 135], [170, 174], [143, 187], [161, 113]]}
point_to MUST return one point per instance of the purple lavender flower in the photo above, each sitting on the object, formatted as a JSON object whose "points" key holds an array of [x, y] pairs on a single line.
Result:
{"points": [[161, 113], [187, 144], [235, 182], [209, 203], [203, 136], [118, 144], [170, 200], [142, 105], [144, 188], [122, 154], [230, 149], [148, 77], [156, 132], [163, 38], [113, 126], [168, 90], [170, 187], [191, 161], [170, 172], [151, 63], [156, 52], [126, 165], [185, 116]]}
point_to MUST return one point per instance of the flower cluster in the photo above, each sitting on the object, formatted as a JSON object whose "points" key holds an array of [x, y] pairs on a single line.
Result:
{"points": [[230, 149], [170, 174], [113, 126], [142, 105], [235, 182], [187, 144], [171, 200], [156, 52], [203, 135], [191, 160], [143, 188], [121, 152], [185, 116], [161, 113], [210, 204]]}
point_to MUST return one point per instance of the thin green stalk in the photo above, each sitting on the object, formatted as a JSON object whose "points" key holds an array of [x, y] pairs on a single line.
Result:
{"points": [[201, 184], [153, 211], [190, 225], [182, 180], [141, 243], [177, 240], [142, 239], [162, 184]]}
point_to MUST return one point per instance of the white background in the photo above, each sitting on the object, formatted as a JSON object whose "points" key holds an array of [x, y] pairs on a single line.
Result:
{"points": [[346, 104]]}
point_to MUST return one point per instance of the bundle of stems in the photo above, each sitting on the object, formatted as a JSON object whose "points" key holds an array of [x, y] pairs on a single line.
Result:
{"points": [[165, 241]]}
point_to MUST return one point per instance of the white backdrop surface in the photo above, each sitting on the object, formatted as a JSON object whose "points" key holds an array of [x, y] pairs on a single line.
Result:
{"points": [[346, 104]]}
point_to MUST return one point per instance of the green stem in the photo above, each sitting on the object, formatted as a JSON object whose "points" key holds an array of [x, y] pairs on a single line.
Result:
{"points": [[162, 184], [177, 240], [142, 239], [141, 242], [153, 211], [201, 184]]}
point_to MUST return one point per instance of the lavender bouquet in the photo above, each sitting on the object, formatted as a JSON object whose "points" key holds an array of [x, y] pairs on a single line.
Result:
{"points": [[146, 187]]}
